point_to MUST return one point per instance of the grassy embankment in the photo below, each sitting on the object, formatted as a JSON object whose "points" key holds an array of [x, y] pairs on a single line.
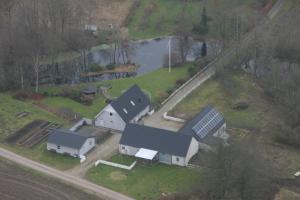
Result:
{"points": [[258, 120], [145, 182], [162, 16]]}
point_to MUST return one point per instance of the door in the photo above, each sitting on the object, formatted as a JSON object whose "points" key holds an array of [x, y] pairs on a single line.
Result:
{"points": [[165, 158]]}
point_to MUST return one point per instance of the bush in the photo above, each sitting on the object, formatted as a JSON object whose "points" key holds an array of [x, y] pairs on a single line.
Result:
{"points": [[69, 92], [94, 67], [170, 90], [180, 81], [175, 60], [24, 95], [110, 67], [288, 136], [192, 71], [240, 106]]}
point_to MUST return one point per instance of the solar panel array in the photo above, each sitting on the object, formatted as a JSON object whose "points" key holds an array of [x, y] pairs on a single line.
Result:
{"points": [[207, 123]]}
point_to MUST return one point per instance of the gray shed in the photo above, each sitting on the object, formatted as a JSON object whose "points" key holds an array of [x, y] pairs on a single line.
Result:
{"points": [[69, 143]]}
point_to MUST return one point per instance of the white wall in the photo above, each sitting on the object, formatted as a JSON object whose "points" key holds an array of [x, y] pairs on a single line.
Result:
{"points": [[63, 149], [87, 146], [180, 161], [193, 149], [141, 114], [105, 119], [128, 150]]}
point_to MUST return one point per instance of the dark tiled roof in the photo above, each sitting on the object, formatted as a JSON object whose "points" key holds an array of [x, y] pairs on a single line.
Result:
{"points": [[188, 128], [133, 95], [164, 141], [67, 138]]}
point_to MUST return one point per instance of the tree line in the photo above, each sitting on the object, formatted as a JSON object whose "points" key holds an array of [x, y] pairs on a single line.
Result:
{"points": [[33, 32]]}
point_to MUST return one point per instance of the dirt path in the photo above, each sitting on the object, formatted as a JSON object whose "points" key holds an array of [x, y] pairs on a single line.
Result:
{"points": [[102, 151], [156, 120], [102, 192]]}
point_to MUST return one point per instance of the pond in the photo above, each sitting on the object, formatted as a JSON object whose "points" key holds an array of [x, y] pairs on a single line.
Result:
{"points": [[149, 54]]}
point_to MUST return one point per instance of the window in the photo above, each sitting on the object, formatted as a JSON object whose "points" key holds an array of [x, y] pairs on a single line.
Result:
{"points": [[58, 147], [125, 111], [123, 147], [111, 114], [132, 103], [177, 159]]}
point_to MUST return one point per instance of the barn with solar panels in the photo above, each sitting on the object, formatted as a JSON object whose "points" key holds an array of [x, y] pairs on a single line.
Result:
{"points": [[208, 127]]}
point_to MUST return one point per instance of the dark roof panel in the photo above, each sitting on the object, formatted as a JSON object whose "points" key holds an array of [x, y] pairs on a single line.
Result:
{"points": [[156, 139], [67, 138], [131, 103], [207, 115]]}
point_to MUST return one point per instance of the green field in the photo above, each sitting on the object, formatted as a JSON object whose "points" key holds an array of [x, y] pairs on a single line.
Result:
{"points": [[258, 120], [9, 107], [163, 15], [223, 96], [155, 84], [145, 181]]}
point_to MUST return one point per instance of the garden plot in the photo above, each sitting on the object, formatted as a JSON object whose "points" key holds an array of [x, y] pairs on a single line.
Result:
{"points": [[32, 133]]}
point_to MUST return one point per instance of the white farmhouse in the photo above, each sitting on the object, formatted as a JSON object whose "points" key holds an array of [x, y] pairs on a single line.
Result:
{"points": [[153, 144], [130, 107], [70, 143]]}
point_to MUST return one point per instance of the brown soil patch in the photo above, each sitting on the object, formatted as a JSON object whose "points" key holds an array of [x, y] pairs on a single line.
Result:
{"points": [[285, 194], [111, 12], [117, 176], [22, 184]]}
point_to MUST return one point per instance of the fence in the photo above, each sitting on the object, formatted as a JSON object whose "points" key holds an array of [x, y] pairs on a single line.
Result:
{"points": [[115, 164]]}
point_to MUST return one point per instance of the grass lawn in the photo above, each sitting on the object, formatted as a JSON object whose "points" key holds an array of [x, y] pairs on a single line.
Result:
{"points": [[9, 107], [154, 84], [144, 182], [258, 119], [41, 154], [9, 124], [85, 111], [163, 15], [214, 92]]}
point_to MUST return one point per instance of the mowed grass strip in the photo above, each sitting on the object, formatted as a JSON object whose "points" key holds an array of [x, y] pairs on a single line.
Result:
{"points": [[41, 154], [145, 181]]}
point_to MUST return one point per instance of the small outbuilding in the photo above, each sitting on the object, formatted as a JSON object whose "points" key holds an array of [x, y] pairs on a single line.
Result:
{"points": [[89, 91], [160, 145], [70, 143], [130, 107], [208, 127]]}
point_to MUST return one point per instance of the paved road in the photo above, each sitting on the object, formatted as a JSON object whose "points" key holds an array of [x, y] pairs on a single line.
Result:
{"points": [[72, 180], [156, 120]]}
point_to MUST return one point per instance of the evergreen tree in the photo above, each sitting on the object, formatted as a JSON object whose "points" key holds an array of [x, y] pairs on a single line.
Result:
{"points": [[204, 49], [204, 18], [202, 28]]}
